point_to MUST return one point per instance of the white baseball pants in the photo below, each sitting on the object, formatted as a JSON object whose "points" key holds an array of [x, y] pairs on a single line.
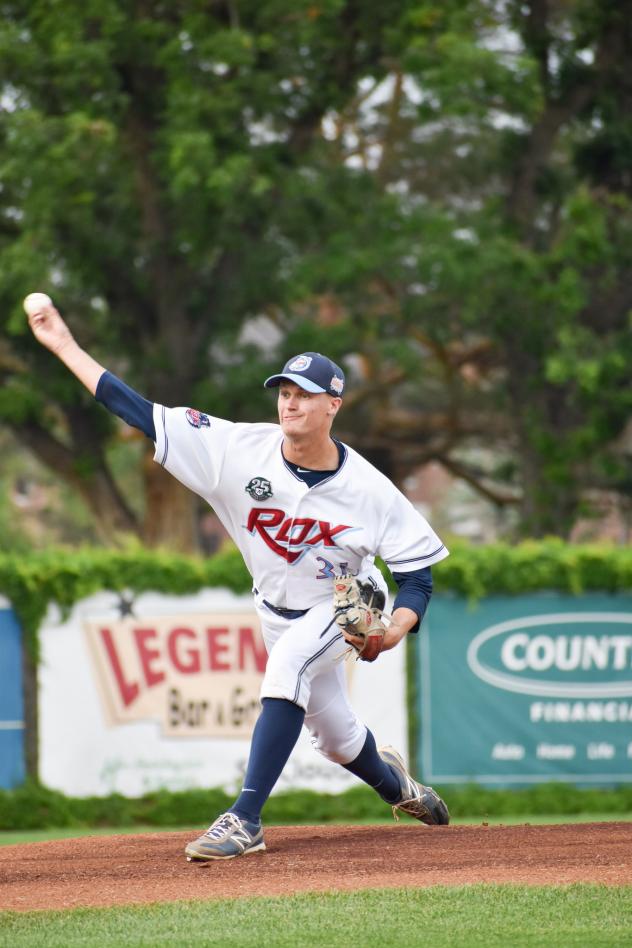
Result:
{"points": [[304, 666]]}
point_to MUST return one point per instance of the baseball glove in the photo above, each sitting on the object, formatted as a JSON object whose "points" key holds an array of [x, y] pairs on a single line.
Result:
{"points": [[358, 609]]}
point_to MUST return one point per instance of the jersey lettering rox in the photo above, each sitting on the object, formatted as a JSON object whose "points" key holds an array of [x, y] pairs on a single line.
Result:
{"points": [[294, 538], [290, 537]]}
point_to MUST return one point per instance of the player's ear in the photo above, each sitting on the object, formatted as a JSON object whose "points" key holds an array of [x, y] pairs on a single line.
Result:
{"points": [[334, 406]]}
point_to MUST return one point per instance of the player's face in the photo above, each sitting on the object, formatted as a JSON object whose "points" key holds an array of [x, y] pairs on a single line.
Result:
{"points": [[304, 413]]}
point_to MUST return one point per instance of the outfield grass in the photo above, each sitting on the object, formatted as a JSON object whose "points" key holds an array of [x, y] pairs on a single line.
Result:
{"points": [[9, 837], [444, 917]]}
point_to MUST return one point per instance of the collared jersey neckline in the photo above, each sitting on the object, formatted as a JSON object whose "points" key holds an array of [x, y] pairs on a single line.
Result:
{"points": [[314, 478]]}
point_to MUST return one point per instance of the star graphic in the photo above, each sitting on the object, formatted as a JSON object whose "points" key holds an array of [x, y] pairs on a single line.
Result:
{"points": [[125, 606]]}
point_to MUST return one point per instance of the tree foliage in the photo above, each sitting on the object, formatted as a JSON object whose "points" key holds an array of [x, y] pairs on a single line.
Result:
{"points": [[502, 295], [439, 193], [149, 155]]}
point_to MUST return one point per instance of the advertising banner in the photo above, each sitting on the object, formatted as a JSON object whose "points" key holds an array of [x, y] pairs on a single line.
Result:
{"points": [[200, 677], [163, 691], [12, 766], [515, 690]]}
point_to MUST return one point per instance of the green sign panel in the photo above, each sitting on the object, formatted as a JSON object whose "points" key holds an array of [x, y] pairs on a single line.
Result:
{"points": [[522, 689]]}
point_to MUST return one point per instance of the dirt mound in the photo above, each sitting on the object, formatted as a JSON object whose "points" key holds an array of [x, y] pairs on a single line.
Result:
{"points": [[118, 870]]}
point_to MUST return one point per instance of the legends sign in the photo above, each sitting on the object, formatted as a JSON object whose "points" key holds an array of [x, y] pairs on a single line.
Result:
{"points": [[163, 691], [199, 677]]}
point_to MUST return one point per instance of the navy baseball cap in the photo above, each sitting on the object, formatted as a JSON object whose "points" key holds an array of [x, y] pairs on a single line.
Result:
{"points": [[313, 372]]}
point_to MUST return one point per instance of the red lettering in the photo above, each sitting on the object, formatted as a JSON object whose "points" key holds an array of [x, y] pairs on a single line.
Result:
{"points": [[251, 650], [186, 661], [261, 519], [128, 690], [264, 519], [217, 648], [285, 533], [327, 534], [148, 656]]}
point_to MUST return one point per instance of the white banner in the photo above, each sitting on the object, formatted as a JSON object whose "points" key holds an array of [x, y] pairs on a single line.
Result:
{"points": [[199, 675], [164, 692]]}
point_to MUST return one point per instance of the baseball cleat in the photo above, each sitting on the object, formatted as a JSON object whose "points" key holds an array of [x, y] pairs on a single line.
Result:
{"points": [[229, 836], [418, 801]]}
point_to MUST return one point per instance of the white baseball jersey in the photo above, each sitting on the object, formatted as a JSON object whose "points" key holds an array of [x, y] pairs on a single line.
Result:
{"points": [[293, 538]]}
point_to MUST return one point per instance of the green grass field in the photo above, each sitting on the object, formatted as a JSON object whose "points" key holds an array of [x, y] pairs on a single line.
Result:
{"points": [[443, 917], [582, 916]]}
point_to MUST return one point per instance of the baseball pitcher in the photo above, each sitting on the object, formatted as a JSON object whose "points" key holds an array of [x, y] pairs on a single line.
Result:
{"points": [[309, 516]]}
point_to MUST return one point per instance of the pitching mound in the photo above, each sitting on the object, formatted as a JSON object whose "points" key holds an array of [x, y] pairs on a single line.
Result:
{"points": [[116, 870]]}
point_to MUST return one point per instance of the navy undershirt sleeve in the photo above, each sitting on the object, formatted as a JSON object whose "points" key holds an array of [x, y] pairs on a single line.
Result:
{"points": [[123, 401], [415, 590]]}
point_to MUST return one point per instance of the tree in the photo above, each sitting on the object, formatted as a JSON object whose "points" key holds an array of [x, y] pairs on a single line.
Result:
{"points": [[495, 308], [148, 151], [438, 192]]}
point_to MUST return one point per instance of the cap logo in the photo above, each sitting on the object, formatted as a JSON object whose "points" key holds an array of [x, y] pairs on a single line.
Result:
{"points": [[300, 364], [337, 385]]}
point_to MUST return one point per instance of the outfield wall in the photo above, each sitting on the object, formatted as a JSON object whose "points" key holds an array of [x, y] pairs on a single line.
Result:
{"points": [[163, 691], [510, 682]]}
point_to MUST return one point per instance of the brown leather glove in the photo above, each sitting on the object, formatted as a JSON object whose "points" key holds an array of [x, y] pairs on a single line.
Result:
{"points": [[358, 611]]}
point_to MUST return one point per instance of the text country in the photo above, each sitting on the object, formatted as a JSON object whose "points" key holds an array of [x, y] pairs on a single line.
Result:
{"points": [[183, 651], [289, 537], [520, 652]]}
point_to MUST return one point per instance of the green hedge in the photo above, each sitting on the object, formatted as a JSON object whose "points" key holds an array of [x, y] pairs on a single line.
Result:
{"points": [[35, 807], [33, 581], [64, 577]]}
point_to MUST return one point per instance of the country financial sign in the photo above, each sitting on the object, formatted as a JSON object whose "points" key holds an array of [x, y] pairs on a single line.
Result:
{"points": [[573, 654], [529, 688], [198, 675]]}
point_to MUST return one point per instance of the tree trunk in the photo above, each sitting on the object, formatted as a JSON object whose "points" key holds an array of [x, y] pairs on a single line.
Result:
{"points": [[547, 508], [559, 109], [31, 711], [112, 516], [169, 510]]}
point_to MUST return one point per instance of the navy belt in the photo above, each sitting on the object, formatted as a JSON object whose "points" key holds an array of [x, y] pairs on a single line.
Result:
{"points": [[284, 613]]}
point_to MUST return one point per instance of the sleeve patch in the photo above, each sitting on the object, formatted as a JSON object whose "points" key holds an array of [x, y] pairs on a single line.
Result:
{"points": [[197, 419]]}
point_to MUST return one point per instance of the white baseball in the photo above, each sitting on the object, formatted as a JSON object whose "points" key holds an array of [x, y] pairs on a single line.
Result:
{"points": [[35, 302]]}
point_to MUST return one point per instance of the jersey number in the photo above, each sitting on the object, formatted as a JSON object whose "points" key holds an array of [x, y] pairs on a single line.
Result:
{"points": [[328, 570]]}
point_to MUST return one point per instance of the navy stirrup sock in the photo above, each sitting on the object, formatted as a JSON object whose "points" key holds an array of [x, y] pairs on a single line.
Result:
{"points": [[370, 767], [275, 734]]}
